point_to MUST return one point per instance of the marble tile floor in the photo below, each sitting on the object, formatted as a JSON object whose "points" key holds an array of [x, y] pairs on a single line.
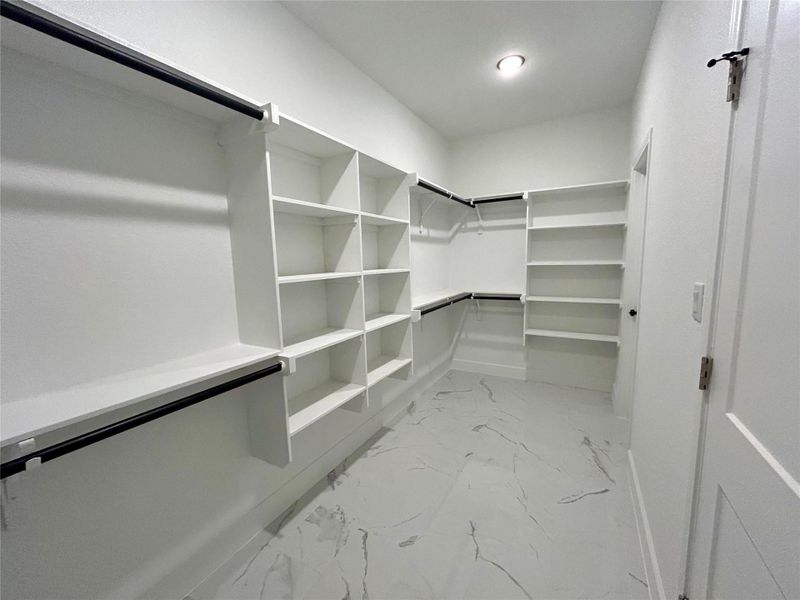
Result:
{"points": [[489, 488]]}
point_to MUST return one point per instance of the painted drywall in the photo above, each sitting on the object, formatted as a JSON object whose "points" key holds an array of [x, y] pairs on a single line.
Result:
{"points": [[684, 103], [266, 53], [584, 148], [581, 149]]}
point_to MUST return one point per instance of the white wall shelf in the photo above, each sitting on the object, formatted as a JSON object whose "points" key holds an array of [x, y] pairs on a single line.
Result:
{"points": [[311, 209], [319, 402], [160, 383], [379, 220], [319, 340], [573, 300], [575, 263], [369, 272], [573, 335], [576, 225], [382, 367], [379, 320], [616, 184], [286, 279]]}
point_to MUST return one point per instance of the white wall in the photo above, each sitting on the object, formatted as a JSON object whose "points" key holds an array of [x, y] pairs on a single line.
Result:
{"points": [[580, 149], [684, 103], [264, 52], [174, 498]]}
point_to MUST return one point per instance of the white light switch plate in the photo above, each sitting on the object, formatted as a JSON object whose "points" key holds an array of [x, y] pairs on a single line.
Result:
{"points": [[697, 301]]}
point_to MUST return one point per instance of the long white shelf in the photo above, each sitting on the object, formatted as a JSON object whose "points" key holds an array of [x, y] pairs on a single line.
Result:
{"points": [[384, 271], [283, 279], [574, 300], [29, 417], [573, 335], [380, 220], [320, 340], [319, 402], [575, 263], [383, 367], [309, 209], [381, 320], [577, 225], [422, 300], [588, 187]]}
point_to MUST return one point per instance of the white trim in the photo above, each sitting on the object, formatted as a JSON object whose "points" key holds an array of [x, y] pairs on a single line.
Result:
{"points": [[470, 366], [646, 536]]}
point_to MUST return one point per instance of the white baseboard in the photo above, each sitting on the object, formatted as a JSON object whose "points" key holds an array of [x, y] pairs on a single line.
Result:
{"points": [[646, 543], [470, 366]]}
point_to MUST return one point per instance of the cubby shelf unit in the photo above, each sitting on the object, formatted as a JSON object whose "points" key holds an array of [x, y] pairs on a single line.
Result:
{"points": [[342, 248], [573, 273]]}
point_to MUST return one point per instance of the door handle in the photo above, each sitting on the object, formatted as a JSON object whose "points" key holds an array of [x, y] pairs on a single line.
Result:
{"points": [[633, 312]]}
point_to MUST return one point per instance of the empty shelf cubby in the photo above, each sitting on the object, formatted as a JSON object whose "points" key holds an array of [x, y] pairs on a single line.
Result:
{"points": [[389, 352], [384, 246], [309, 167], [323, 381], [318, 314], [573, 320], [591, 281], [579, 206], [568, 244], [383, 190], [387, 299], [314, 246]]}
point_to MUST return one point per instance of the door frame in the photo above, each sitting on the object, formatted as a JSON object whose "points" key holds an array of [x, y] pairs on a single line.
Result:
{"points": [[640, 165]]}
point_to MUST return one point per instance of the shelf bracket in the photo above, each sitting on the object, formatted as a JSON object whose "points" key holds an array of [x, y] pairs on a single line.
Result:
{"points": [[480, 220], [288, 364], [416, 316], [237, 129], [425, 212]]}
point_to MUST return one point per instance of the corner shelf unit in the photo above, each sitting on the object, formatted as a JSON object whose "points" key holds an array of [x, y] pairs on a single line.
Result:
{"points": [[342, 253], [573, 272]]}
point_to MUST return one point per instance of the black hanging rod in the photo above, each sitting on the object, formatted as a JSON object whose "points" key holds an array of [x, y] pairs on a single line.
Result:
{"points": [[49, 453], [446, 302], [124, 57], [467, 201], [450, 300], [478, 296], [437, 190], [489, 199]]}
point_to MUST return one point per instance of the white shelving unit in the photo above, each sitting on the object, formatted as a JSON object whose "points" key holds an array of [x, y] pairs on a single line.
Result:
{"points": [[342, 250], [169, 237], [574, 248]]}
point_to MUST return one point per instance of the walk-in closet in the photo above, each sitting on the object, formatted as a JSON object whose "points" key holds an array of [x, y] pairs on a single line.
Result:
{"points": [[399, 300]]}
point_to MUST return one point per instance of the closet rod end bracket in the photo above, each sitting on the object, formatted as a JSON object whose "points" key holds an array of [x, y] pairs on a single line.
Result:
{"points": [[288, 364]]}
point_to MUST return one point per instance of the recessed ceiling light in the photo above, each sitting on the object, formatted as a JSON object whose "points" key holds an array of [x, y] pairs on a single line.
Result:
{"points": [[509, 65]]}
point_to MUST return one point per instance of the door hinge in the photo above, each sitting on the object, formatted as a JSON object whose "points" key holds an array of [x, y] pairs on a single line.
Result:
{"points": [[735, 61], [706, 366]]}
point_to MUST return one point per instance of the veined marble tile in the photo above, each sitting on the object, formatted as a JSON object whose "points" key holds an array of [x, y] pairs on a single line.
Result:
{"points": [[486, 488]]}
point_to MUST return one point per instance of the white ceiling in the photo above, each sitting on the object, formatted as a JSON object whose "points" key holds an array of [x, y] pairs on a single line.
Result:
{"points": [[438, 58]]}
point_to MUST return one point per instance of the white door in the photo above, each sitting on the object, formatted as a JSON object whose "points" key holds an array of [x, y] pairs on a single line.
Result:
{"points": [[634, 246], [746, 537]]}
